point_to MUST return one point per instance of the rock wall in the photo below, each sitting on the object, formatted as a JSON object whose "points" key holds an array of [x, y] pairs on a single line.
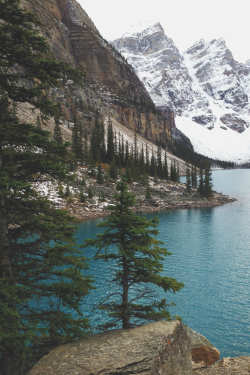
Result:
{"points": [[156, 348], [111, 85]]}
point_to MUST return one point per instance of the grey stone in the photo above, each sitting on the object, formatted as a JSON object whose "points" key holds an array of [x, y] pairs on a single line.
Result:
{"points": [[155, 348]]}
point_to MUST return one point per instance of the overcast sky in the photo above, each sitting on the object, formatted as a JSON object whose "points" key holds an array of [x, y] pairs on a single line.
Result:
{"points": [[185, 21]]}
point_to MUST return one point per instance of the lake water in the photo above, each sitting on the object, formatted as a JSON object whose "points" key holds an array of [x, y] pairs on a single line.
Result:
{"points": [[211, 256]]}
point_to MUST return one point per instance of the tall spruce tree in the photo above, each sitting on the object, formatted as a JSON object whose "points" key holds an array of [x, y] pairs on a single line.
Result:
{"points": [[208, 181], [159, 163], [201, 184], [137, 256], [165, 167], [57, 136], [39, 260], [110, 142], [188, 178]]}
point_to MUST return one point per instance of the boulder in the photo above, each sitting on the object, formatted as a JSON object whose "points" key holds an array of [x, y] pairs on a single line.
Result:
{"points": [[202, 351], [156, 348]]}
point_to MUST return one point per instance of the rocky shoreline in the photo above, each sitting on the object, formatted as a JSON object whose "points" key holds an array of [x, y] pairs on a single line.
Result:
{"points": [[166, 195]]}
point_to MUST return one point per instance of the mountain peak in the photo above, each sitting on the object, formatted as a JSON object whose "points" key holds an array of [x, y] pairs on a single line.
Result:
{"points": [[143, 27]]}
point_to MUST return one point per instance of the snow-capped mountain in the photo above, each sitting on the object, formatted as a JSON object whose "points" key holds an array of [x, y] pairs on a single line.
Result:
{"points": [[205, 87]]}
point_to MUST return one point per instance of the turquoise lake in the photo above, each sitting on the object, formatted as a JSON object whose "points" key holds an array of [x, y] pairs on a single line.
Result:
{"points": [[210, 255]]}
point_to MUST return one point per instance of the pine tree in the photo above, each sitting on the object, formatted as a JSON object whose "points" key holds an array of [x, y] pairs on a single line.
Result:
{"points": [[103, 151], [128, 174], [99, 177], [40, 265], [159, 163], [38, 121], [57, 136], [153, 171], [201, 184], [137, 257], [195, 177], [188, 179], [90, 193], [148, 192], [110, 143], [95, 142], [142, 161], [82, 197], [165, 167], [113, 169], [136, 158], [127, 153], [208, 184], [85, 148], [147, 166], [60, 189]]}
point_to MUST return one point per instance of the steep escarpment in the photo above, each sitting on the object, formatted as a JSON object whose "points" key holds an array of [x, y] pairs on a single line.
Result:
{"points": [[111, 86]]}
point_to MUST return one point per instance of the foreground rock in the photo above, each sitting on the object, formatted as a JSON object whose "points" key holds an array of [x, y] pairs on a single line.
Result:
{"points": [[227, 366], [203, 352], [156, 348]]}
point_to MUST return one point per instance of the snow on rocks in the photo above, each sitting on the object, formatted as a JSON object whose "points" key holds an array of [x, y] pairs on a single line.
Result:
{"points": [[205, 87]]}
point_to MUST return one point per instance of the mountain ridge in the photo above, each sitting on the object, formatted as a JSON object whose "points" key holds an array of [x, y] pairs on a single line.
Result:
{"points": [[204, 86]]}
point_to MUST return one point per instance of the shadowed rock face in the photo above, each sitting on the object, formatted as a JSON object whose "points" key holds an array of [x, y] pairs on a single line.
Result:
{"points": [[112, 87], [156, 348]]}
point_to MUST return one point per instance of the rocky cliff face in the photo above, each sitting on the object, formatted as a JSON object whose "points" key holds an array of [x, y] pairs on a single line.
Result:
{"points": [[205, 87], [111, 87]]}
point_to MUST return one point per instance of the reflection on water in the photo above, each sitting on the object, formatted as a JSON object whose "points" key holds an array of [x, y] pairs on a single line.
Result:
{"points": [[211, 255]]}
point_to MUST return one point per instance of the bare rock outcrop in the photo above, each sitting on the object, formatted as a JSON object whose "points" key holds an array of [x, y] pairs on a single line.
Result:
{"points": [[227, 366], [156, 348], [203, 352]]}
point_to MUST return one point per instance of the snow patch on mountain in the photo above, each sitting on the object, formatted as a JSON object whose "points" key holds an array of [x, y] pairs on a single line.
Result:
{"points": [[205, 87]]}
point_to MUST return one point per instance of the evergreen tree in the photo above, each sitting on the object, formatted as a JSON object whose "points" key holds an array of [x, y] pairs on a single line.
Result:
{"points": [[142, 162], [82, 197], [110, 143], [95, 142], [153, 171], [136, 158], [90, 193], [99, 177], [128, 174], [208, 184], [41, 271], [147, 166], [132, 167], [159, 163], [148, 192], [201, 184], [127, 153], [137, 256], [103, 151], [165, 167], [85, 148], [188, 178], [60, 189], [172, 172], [38, 121], [195, 177], [113, 169], [67, 191], [122, 155], [77, 141], [57, 136]]}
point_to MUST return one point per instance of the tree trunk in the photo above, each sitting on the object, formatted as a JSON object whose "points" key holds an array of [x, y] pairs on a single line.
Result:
{"points": [[11, 361], [5, 265], [125, 305]]}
